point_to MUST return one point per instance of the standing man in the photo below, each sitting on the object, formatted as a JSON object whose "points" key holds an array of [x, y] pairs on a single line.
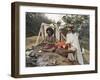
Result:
{"points": [[72, 38], [58, 30]]}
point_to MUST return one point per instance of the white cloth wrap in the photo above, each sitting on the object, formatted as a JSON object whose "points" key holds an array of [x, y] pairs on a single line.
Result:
{"points": [[72, 38]]}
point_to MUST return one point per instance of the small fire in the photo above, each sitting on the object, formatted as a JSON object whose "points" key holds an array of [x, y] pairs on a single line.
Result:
{"points": [[62, 44]]}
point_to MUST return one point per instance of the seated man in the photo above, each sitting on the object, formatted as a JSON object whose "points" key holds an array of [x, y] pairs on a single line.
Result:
{"points": [[72, 38], [49, 41], [64, 49]]}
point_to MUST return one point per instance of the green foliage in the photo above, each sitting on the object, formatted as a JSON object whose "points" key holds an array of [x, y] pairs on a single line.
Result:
{"points": [[33, 23], [75, 19], [81, 24]]}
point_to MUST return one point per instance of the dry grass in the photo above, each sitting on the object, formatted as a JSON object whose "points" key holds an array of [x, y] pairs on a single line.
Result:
{"points": [[31, 41], [86, 57]]}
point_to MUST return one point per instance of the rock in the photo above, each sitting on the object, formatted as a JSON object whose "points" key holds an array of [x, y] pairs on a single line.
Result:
{"points": [[52, 59], [29, 49], [32, 54], [28, 59], [28, 52], [31, 61], [36, 58]]}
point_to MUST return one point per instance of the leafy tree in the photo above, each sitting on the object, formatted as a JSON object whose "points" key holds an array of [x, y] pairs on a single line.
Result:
{"points": [[33, 23], [81, 24]]}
